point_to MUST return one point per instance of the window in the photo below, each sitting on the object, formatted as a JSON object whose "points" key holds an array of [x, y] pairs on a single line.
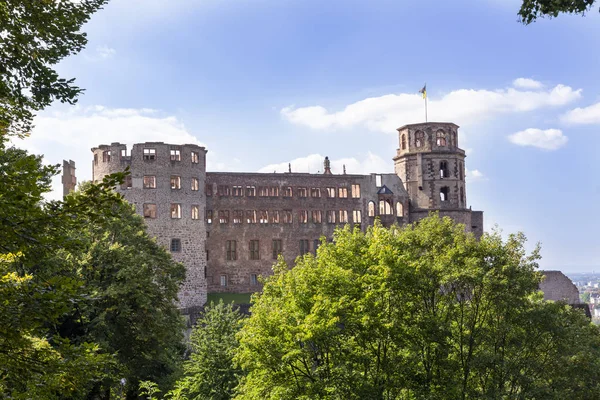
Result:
{"points": [[175, 155], [315, 192], [303, 216], [175, 182], [123, 153], [287, 192], [399, 209], [316, 244], [274, 217], [302, 192], [175, 245], [223, 280], [378, 182], [208, 189], [304, 246], [274, 191], [444, 193], [251, 216], [454, 142], [277, 248], [106, 156], [287, 216], [149, 182], [419, 139], [149, 154], [195, 184], [440, 138], [250, 191], [263, 217], [343, 217], [385, 207], [356, 191], [330, 216], [175, 210], [223, 216], [253, 280], [356, 217], [231, 250], [263, 191], [331, 192], [195, 212], [254, 252], [206, 260], [403, 141], [461, 171], [316, 216], [223, 190], [371, 209], [462, 196], [238, 216], [444, 169], [195, 157], [238, 191], [95, 159], [208, 216], [127, 184], [343, 192], [149, 210]]}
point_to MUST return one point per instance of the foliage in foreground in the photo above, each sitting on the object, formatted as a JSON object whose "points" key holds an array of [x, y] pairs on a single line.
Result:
{"points": [[419, 312], [531, 10]]}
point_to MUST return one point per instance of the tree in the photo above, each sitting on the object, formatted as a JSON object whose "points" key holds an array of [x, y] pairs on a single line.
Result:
{"points": [[531, 10], [424, 311], [210, 372], [34, 36]]}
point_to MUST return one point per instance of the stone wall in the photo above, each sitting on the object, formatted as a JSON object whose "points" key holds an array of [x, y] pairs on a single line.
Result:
{"points": [[558, 287]]}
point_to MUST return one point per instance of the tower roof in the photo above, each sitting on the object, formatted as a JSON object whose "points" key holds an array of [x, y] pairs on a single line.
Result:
{"points": [[425, 124]]}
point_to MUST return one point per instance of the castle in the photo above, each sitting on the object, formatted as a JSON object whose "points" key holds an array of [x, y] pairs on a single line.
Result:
{"points": [[228, 228]]}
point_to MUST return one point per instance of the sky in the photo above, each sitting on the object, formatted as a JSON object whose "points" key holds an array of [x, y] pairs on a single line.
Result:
{"points": [[265, 83]]}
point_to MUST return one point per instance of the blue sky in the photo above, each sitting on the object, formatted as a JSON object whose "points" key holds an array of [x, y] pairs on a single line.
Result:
{"points": [[263, 83]]}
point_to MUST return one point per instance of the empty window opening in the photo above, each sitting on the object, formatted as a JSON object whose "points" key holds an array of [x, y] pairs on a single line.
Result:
{"points": [[175, 245], [274, 191], [263, 191], [195, 157], [461, 171], [444, 193], [440, 138], [287, 192], [223, 190], [385, 207], [106, 156], [95, 159], [253, 280], [238, 216], [343, 192], [315, 192], [331, 192], [462, 196], [274, 217], [195, 184], [149, 182], [123, 153], [444, 173], [399, 209], [128, 183], [251, 216], [378, 182], [209, 216], [208, 189], [371, 209], [343, 217], [254, 250], [287, 216], [277, 248], [304, 246], [316, 244], [356, 191], [175, 182], [250, 191], [231, 250], [149, 154], [238, 191], [316, 216], [223, 280], [175, 155], [303, 216], [356, 217], [403, 142], [330, 217], [302, 192], [195, 212], [223, 216], [175, 210], [419, 136], [263, 217], [149, 210]]}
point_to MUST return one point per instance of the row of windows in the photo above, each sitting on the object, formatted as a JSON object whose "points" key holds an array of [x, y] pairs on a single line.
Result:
{"points": [[283, 216], [223, 280], [440, 139], [445, 194], [150, 182], [445, 173], [273, 191], [149, 211], [150, 155]]}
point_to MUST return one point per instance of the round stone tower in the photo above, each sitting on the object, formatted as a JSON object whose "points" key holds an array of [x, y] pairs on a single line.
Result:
{"points": [[166, 185]]}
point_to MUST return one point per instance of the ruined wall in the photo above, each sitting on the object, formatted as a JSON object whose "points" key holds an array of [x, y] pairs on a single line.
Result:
{"points": [[558, 287], [69, 179]]}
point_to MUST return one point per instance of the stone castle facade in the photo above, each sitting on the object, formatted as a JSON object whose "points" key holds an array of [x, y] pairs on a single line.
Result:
{"points": [[228, 228]]}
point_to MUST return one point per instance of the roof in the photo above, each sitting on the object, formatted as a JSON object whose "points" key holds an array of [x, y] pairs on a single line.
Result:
{"points": [[426, 124]]}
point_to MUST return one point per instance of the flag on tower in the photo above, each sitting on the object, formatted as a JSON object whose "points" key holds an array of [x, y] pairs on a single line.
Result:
{"points": [[424, 91]]}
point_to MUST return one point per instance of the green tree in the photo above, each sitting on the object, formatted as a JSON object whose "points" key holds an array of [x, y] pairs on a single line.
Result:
{"points": [[585, 297], [531, 10], [424, 311], [34, 36], [210, 372]]}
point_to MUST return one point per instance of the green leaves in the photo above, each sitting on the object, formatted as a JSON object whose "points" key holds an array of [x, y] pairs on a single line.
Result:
{"points": [[531, 10]]}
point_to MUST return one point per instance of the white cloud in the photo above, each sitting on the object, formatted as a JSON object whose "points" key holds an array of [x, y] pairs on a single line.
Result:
{"points": [[463, 106], [101, 53], [526, 83], [586, 115], [313, 163], [549, 139], [71, 134], [474, 175]]}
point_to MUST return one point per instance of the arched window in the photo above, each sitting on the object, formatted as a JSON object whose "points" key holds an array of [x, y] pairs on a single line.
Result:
{"points": [[399, 210], [461, 171], [444, 169], [454, 139], [440, 138], [462, 196], [371, 209], [403, 142], [444, 193], [419, 139], [385, 207]]}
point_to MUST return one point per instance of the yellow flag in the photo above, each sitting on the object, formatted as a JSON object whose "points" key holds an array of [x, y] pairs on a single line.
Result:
{"points": [[424, 91]]}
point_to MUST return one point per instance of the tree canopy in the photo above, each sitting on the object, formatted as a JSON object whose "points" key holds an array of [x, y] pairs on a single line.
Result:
{"points": [[531, 10], [423, 311]]}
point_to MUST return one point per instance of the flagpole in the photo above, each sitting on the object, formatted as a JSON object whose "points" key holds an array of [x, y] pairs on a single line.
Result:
{"points": [[425, 108]]}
